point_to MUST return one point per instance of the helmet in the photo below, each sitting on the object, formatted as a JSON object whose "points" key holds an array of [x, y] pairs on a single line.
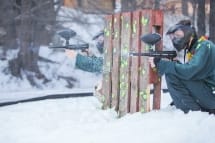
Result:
{"points": [[182, 42]]}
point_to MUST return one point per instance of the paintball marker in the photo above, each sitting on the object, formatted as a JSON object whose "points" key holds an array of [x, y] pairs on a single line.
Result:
{"points": [[67, 34], [152, 39]]}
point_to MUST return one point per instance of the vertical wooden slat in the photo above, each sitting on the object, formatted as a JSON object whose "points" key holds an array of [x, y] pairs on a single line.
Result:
{"points": [[124, 64], [135, 47], [156, 80], [116, 61], [106, 84], [144, 88]]}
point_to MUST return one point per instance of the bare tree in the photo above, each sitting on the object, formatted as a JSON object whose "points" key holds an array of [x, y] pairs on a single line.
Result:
{"points": [[157, 4], [131, 5], [184, 7], [194, 5], [201, 17], [212, 21], [96, 6], [32, 19], [7, 25]]}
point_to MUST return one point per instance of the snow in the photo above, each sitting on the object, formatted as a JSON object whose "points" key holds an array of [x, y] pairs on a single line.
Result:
{"points": [[81, 120]]}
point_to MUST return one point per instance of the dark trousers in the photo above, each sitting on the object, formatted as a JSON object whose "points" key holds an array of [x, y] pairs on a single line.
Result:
{"points": [[190, 95]]}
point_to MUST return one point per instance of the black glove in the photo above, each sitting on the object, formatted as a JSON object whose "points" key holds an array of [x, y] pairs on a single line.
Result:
{"points": [[156, 61]]}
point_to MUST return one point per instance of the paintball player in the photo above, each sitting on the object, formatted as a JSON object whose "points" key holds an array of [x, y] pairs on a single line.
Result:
{"points": [[191, 84], [87, 62]]}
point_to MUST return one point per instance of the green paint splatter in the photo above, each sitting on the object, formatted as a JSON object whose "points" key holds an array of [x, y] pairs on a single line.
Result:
{"points": [[114, 50], [116, 34], [144, 21], [127, 25], [124, 63], [103, 99], [122, 94], [143, 71], [142, 110], [134, 28], [125, 49], [113, 95], [106, 50], [147, 48], [107, 33], [122, 76], [143, 94]]}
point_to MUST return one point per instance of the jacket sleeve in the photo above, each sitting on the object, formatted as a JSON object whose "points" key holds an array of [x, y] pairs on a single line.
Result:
{"points": [[199, 67], [90, 64]]}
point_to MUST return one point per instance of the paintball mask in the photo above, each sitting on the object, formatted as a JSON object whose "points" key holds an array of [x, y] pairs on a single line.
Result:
{"points": [[100, 47], [181, 42], [99, 41]]}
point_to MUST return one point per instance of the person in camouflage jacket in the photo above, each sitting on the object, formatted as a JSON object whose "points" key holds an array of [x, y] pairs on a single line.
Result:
{"points": [[191, 84]]}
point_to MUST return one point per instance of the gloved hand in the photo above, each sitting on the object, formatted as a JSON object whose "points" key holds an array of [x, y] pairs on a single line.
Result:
{"points": [[153, 61], [71, 53]]}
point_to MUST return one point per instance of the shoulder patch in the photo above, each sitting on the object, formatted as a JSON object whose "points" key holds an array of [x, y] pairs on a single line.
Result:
{"points": [[209, 45]]}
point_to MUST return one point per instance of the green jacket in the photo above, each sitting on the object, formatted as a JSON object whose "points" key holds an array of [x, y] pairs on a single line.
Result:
{"points": [[90, 64], [200, 67]]}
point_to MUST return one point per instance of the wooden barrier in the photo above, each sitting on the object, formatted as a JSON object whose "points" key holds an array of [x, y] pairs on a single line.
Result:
{"points": [[127, 80]]}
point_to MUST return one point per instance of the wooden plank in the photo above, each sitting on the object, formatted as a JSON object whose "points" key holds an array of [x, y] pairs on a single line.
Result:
{"points": [[124, 64], [106, 84], [135, 47], [158, 18], [158, 26], [144, 86], [116, 62]]}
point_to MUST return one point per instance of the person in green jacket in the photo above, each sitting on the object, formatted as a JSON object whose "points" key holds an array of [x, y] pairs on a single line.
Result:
{"points": [[191, 84], [85, 60]]}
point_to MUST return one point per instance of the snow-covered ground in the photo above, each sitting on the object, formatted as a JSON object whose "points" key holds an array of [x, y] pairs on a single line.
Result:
{"points": [[81, 120]]}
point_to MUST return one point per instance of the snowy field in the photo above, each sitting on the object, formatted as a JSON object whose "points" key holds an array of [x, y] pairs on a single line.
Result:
{"points": [[81, 120]]}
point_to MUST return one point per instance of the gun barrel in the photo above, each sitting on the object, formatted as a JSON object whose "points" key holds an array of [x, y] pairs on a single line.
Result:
{"points": [[78, 46], [159, 54], [72, 47]]}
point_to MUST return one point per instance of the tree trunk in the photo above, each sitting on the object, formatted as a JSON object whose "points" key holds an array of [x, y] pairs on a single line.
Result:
{"points": [[157, 4], [28, 53], [128, 5], [201, 18], [194, 10], [212, 21], [125, 5], [185, 7], [7, 24]]}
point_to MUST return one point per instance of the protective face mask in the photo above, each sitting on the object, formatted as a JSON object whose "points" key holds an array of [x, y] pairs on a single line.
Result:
{"points": [[179, 43], [100, 47]]}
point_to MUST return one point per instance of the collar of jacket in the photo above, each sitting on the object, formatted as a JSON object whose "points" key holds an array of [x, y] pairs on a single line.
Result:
{"points": [[195, 45]]}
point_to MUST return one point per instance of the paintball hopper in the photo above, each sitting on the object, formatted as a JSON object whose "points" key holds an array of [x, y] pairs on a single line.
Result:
{"points": [[151, 39], [67, 34]]}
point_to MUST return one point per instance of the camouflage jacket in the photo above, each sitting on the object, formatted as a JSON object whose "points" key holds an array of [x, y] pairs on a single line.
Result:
{"points": [[89, 63], [201, 65]]}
